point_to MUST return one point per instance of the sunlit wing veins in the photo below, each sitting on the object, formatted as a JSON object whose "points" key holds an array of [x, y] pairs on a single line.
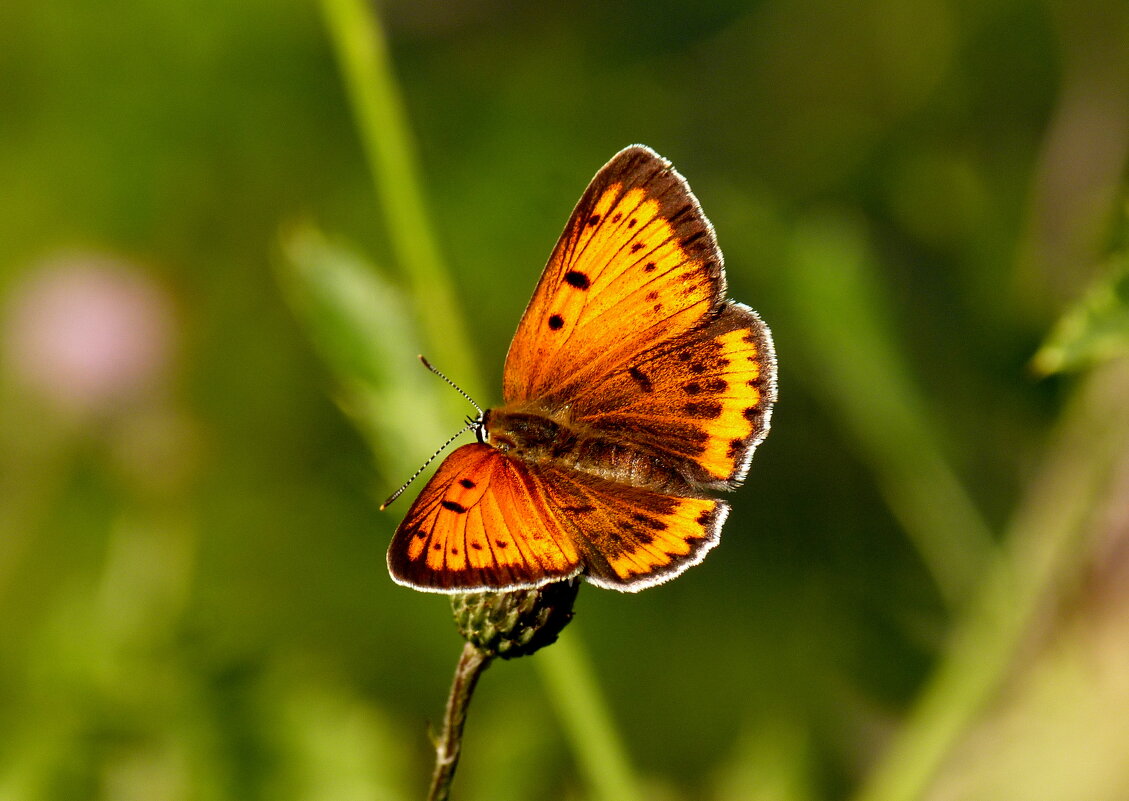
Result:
{"points": [[477, 524], [631, 538], [637, 264], [700, 403], [486, 520]]}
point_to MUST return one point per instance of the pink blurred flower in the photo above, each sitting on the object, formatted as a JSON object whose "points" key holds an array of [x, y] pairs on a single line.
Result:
{"points": [[88, 333]]}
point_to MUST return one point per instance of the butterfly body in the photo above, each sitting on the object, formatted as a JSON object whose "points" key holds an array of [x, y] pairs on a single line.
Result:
{"points": [[633, 391], [547, 438]]}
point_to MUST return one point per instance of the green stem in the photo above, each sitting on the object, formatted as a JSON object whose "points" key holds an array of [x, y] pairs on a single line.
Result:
{"points": [[587, 724], [1047, 543], [366, 69], [448, 747]]}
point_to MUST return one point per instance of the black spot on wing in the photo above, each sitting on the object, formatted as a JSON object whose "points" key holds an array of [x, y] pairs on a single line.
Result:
{"points": [[706, 518], [641, 379], [706, 410], [641, 537], [648, 521], [577, 279]]}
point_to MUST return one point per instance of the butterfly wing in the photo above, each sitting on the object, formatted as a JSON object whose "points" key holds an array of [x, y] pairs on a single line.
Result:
{"points": [[637, 264], [700, 403], [629, 331], [631, 537], [479, 523], [486, 521]]}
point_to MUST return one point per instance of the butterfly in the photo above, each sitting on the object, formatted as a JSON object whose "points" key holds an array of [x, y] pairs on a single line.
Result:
{"points": [[633, 392]]}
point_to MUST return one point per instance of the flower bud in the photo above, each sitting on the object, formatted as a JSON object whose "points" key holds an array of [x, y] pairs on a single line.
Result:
{"points": [[515, 623]]}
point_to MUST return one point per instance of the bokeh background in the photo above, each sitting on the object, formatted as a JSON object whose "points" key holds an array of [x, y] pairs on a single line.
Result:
{"points": [[226, 229]]}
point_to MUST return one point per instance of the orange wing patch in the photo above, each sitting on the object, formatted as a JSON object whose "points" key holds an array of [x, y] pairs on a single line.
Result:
{"points": [[476, 524], [631, 538], [700, 403], [637, 248]]}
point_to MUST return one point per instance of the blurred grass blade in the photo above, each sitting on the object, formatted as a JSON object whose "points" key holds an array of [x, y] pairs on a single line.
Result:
{"points": [[1048, 541], [358, 39], [772, 762], [1095, 329], [837, 302], [358, 322], [584, 715]]}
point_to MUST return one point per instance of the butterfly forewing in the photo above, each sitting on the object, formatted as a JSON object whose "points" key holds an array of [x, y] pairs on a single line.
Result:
{"points": [[636, 264], [477, 524]]}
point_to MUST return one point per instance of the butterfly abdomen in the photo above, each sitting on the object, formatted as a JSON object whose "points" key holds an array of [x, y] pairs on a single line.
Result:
{"points": [[537, 438]]}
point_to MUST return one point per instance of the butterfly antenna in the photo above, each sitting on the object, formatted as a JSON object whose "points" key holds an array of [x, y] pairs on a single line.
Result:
{"points": [[457, 388], [471, 423]]}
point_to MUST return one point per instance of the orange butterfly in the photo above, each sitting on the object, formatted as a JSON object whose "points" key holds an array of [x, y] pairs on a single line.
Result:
{"points": [[633, 389]]}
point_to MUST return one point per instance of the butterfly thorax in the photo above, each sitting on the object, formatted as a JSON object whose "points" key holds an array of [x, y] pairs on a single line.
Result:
{"points": [[550, 437]]}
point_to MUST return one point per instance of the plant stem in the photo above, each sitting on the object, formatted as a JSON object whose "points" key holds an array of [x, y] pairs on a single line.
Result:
{"points": [[472, 662], [366, 69], [586, 721]]}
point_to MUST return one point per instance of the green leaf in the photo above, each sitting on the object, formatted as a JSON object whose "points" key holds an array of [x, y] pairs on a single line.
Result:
{"points": [[360, 324], [1095, 329]]}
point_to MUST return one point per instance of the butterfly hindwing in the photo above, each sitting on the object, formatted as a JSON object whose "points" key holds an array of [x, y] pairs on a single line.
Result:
{"points": [[637, 264], [700, 402], [631, 537]]}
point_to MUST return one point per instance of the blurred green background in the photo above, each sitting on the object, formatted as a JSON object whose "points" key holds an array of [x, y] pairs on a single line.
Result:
{"points": [[227, 229]]}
